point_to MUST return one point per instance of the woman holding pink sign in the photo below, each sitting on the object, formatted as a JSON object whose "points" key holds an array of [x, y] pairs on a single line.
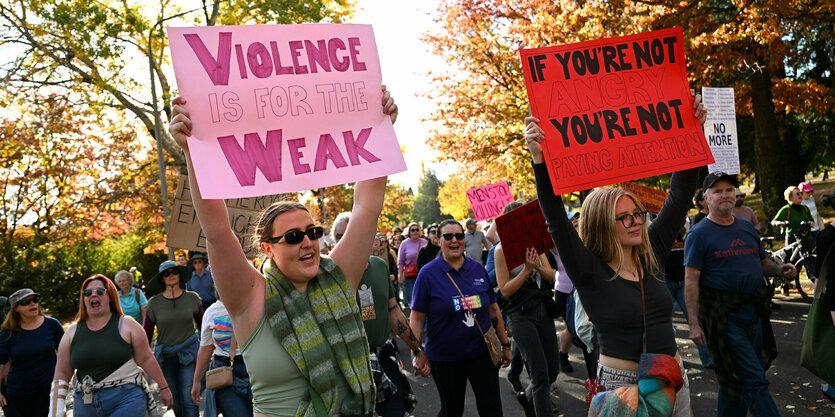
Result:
{"points": [[332, 374], [616, 264]]}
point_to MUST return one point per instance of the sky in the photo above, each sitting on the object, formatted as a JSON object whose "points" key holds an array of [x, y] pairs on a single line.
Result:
{"points": [[405, 61]]}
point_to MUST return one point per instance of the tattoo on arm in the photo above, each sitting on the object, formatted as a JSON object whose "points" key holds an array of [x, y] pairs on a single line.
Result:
{"points": [[393, 307], [401, 328]]}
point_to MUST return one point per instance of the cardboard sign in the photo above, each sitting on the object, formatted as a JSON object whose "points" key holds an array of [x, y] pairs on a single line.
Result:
{"points": [[652, 198], [185, 231], [488, 201], [380, 252], [720, 129], [521, 229], [614, 110], [283, 108]]}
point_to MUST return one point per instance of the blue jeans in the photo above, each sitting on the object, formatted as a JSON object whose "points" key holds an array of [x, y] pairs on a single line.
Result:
{"points": [[745, 340], [123, 401], [230, 401], [179, 378], [677, 291], [407, 292], [536, 338]]}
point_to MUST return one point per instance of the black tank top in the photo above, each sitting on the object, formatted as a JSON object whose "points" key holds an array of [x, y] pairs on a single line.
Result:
{"points": [[99, 353]]}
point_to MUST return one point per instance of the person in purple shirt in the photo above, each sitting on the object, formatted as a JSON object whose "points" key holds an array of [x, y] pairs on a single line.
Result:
{"points": [[407, 260], [454, 344]]}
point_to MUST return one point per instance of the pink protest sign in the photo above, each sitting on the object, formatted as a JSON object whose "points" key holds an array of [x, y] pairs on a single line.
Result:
{"points": [[489, 201], [283, 108]]}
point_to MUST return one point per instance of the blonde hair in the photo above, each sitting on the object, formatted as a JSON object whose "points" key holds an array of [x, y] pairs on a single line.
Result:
{"points": [[788, 192], [598, 230]]}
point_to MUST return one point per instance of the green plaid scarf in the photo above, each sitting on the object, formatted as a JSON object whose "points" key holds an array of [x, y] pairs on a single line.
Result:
{"points": [[322, 331]]}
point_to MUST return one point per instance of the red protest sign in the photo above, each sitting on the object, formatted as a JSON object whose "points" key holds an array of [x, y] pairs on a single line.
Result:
{"points": [[652, 198], [521, 229], [489, 201], [614, 110]]}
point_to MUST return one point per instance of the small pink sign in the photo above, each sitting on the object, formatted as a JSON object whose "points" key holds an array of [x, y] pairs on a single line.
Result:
{"points": [[283, 108], [488, 201]]}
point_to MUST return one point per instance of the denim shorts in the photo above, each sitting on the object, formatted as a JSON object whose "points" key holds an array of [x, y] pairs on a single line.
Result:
{"points": [[122, 401], [611, 379]]}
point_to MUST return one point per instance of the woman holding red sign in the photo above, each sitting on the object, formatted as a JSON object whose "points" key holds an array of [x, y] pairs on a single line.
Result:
{"points": [[530, 309], [616, 265]]}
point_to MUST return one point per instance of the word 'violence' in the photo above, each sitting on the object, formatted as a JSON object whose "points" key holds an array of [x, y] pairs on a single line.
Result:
{"points": [[263, 61]]}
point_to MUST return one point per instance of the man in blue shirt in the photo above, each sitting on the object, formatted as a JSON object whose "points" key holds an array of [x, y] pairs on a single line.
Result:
{"points": [[727, 301], [201, 280]]}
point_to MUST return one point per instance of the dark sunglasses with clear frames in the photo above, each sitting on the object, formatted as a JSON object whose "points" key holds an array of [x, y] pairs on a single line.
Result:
{"points": [[28, 301], [449, 236], [99, 291], [628, 220], [297, 236]]}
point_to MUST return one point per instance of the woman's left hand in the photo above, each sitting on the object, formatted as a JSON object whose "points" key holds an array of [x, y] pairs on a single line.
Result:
{"points": [[699, 108], [167, 398], [507, 356], [389, 107], [531, 259]]}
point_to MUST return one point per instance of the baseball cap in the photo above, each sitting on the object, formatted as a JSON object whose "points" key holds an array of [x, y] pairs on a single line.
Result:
{"points": [[711, 179], [805, 187], [20, 294]]}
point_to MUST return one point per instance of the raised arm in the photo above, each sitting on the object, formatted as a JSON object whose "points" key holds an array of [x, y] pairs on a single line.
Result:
{"points": [[236, 280], [576, 258], [353, 250]]}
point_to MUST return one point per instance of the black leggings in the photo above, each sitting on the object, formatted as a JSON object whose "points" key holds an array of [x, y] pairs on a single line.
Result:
{"points": [[29, 405], [451, 379]]}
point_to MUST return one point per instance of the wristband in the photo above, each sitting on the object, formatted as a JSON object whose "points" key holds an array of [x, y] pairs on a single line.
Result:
{"points": [[417, 351], [165, 387], [506, 345]]}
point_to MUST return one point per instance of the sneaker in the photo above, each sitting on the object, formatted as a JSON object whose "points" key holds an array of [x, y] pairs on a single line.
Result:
{"points": [[828, 391], [527, 406], [515, 384]]}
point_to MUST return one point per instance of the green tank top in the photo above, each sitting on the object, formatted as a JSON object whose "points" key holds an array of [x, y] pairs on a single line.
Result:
{"points": [[277, 384], [99, 353]]}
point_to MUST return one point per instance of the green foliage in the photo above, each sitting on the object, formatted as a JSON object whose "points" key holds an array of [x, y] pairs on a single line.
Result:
{"points": [[427, 208]]}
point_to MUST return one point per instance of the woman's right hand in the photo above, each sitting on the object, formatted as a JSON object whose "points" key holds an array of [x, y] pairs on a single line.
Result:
{"points": [[3, 401], [534, 136], [180, 126], [195, 393], [531, 259]]}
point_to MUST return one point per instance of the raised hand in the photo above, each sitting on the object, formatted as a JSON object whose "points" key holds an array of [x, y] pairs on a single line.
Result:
{"points": [[534, 136], [180, 126], [389, 107]]}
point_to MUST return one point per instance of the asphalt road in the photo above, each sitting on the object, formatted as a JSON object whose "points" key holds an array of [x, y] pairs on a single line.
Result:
{"points": [[795, 390]]}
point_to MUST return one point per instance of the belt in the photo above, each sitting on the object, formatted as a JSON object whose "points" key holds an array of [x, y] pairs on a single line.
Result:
{"points": [[225, 359]]}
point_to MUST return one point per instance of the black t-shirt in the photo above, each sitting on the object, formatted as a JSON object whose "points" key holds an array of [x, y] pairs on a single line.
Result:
{"points": [[614, 305], [32, 353]]}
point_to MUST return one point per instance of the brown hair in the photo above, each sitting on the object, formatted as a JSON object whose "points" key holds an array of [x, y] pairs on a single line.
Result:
{"points": [[264, 229], [513, 205], [12, 320], [112, 293], [598, 230]]}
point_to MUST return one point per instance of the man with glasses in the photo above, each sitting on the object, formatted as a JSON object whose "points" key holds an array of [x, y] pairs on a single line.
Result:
{"points": [[380, 316], [727, 301], [741, 211], [475, 242]]}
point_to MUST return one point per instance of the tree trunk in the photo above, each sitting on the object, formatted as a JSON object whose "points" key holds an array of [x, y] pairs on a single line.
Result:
{"points": [[767, 147], [794, 163]]}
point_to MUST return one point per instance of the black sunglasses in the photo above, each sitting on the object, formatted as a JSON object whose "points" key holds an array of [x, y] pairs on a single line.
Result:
{"points": [[99, 291], [449, 236], [297, 236], [28, 301], [414, 230], [169, 271]]}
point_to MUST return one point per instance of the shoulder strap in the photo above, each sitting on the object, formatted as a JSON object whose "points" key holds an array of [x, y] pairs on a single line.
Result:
{"points": [[136, 294], [643, 307], [464, 300], [233, 348]]}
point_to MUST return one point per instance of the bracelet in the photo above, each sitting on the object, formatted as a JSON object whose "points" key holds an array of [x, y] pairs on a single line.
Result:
{"points": [[165, 387], [506, 345]]}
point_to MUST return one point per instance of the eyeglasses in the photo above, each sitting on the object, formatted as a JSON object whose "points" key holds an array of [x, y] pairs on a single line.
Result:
{"points": [[28, 301], [99, 291], [449, 236], [433, 232], [167, 272], [414, 230], [628, 220], [297, 236]]}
